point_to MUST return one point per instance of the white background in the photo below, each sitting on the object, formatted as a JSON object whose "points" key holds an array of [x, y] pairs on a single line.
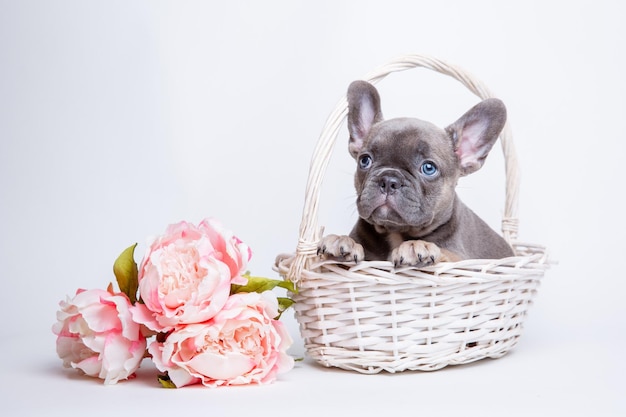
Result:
{"points": [[120, 117]]}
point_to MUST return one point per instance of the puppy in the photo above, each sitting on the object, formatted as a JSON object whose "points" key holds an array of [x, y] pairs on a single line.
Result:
{"points": [[407, 171]]}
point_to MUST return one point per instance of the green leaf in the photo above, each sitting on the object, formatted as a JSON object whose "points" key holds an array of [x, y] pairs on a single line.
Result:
{"points": [[165, 381], [283, 304], [125, 270], [260, 284]]}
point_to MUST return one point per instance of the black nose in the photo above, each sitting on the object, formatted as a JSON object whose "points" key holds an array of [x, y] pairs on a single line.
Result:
{"points": [[389, 184]]}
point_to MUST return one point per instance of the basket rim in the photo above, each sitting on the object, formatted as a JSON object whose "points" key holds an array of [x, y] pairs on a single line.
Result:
{"points": [[534, 262]]}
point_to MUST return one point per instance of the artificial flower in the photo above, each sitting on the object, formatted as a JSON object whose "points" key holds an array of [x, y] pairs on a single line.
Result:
{"points": [[96, 334], [242, 344], [186, 274]]}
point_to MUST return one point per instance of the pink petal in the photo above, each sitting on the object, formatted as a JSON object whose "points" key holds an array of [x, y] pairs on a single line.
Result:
{"points": [[221, 367], [141, 314], [180, 377]]}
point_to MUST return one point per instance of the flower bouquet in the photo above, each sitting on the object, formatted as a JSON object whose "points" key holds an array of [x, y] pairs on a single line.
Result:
{"points": [[190, 307]]}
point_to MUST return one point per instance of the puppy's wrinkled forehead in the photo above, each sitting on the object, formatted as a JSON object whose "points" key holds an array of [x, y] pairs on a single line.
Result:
{"points": [[409, 138]]}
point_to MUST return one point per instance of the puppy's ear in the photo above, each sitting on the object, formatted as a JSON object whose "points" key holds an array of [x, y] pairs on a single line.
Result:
{"points": [[363, 112], [475, 132]]}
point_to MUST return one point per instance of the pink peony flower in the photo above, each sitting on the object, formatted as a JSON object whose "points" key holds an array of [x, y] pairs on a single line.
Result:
{"points": [[96, 334], [242, 344], [185, 275]]}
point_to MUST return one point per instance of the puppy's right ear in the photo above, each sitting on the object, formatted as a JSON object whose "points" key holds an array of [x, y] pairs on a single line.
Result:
{"points": [[363, 112], [475, 133]]}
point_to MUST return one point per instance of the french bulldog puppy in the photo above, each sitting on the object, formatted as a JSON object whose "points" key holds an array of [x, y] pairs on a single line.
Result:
{"points": [[407, 171]]}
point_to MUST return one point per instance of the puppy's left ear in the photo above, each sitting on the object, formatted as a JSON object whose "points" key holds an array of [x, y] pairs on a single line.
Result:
{"points": [[363, 112], [475, 133]]}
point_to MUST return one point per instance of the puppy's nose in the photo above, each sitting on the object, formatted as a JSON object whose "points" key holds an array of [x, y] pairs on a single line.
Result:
{"points": [[389, 184]]}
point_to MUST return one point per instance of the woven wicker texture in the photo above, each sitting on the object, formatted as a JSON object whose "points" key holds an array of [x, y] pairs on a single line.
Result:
{"points": [[371, 317]]}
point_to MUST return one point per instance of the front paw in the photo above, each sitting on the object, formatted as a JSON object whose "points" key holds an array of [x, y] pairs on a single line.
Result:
{"points": [[341, 248], [415, 253]]}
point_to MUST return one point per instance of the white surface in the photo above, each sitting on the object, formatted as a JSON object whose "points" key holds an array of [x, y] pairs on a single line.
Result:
{"points": [[118, 118]]}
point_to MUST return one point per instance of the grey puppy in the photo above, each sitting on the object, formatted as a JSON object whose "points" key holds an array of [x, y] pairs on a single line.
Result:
{"points": [[407, 171]]}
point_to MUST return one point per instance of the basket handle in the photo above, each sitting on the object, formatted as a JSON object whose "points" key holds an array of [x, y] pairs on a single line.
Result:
{"points": [[310, 233]]}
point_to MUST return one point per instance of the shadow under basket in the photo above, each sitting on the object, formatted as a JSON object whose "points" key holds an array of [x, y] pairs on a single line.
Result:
{"points": [[371, 317]]}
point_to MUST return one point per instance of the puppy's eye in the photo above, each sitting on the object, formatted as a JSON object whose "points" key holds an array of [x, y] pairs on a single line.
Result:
{"points": [[429, 169], [365, 162]]}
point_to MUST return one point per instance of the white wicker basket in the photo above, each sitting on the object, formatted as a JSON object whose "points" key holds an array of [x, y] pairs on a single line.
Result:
{"points": [[370, 317]]}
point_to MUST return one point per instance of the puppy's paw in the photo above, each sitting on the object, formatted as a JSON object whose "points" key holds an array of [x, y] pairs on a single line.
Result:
{"points": [[416, 253], [342, 248]]}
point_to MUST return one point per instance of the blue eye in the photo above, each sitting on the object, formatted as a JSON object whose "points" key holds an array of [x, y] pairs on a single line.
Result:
{"points": [[365, 162], [429, 169]]}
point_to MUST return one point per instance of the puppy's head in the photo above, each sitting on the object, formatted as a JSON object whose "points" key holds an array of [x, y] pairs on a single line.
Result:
{"points": [[407, 168]]}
